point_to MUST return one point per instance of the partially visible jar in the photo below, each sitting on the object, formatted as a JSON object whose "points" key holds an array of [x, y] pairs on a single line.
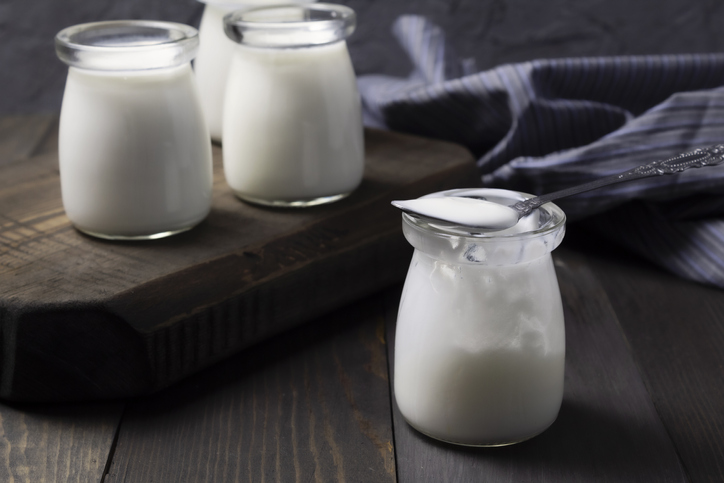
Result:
{"points": [[292, 116], [212, 62], [134, 149], [480, 338]]}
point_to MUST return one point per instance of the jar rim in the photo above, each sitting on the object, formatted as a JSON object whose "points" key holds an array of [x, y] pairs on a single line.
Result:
{"points": [[460, 245], [292, 25], [235, 4], [118, 45], [555, 218]]}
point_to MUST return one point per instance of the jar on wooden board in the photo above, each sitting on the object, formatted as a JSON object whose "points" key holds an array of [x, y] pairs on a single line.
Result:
{"points": [[292, 118], [480, 338], [134, 149], [212, 62]]}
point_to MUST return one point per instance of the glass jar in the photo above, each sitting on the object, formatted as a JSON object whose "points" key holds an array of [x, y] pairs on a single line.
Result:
{"points": [[292, 118], [212, 62], [134, 149], [480, 340]]}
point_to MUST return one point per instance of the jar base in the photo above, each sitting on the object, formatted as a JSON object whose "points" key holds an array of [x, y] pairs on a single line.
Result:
{"points": [[480, 445], [306, 203], [152, 236]]}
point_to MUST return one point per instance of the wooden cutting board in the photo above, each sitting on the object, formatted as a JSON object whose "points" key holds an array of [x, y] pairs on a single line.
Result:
{"points": [[82, 318]]}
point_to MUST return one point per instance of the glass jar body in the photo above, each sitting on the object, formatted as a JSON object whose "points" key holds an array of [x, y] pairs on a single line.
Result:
{"points": [[480, 338], [135, 157], [214, 58], [212, 65], [293, 125]]}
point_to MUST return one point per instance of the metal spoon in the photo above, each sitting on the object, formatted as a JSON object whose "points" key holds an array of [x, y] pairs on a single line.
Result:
{"points": [[489, 216]]}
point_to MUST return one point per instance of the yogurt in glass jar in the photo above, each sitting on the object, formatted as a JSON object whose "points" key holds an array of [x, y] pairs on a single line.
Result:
{"points": [[292, 118], [134, 150], [480, 338], [212, 62]]}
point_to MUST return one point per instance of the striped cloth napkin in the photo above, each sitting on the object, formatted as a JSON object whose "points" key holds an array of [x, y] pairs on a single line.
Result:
{"points": [[545, 125]]}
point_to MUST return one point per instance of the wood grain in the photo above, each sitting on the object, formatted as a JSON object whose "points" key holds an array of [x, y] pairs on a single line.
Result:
{"points": [[675, 329], [607, 429], [310, 405], [50, 443], [135, 317], [58, 443]]}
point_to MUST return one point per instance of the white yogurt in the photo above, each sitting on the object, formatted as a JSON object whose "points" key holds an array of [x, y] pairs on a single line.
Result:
{"points": [[212, 65], [214, 58], [134, 150], [135, 160], [463, 211], [480, 341], [292, 118]]}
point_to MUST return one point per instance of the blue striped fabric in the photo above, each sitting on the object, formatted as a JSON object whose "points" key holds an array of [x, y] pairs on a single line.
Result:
{"points": [[545, 125]]}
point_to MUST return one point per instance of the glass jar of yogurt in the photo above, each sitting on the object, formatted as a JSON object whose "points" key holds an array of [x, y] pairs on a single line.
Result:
{"points": [[292, 120], [212, 62], [480, 339], [134, 149]]}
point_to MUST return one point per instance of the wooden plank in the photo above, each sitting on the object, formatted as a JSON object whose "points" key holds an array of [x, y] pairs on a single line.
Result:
{"points": [[128, 318], [607, 429], [56, 443], [21, 136], [676, 331], [309, 405]]}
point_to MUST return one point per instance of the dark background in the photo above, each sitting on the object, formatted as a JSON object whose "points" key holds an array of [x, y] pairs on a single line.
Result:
{"points": [[491, 32]]}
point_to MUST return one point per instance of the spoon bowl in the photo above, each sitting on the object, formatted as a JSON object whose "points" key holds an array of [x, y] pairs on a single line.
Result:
{"points": [[460, 210]]}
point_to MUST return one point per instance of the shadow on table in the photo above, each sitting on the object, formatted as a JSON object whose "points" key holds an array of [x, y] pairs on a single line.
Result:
{"points": [[584, 444], [226, 375]]}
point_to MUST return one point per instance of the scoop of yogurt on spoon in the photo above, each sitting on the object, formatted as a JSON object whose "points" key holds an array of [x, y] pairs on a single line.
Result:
{"points": [[458, 210]]}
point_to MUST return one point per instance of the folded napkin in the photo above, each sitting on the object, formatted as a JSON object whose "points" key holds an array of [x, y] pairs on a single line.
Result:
{"points": [[545, 125]]}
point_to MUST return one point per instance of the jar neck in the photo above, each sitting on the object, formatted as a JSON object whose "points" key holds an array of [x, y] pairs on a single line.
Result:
{"points": [[309, 55], [130, 75], [491, 251]]}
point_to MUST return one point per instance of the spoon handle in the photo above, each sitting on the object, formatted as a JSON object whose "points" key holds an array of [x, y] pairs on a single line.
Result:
{"points": [[709, 156]]}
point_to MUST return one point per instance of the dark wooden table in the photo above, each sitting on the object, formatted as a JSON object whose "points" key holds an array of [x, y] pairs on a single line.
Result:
{"points": [[644, 396]]}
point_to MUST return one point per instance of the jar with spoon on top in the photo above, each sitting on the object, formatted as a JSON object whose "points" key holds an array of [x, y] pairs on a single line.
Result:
{"points": [[480, 337]]}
